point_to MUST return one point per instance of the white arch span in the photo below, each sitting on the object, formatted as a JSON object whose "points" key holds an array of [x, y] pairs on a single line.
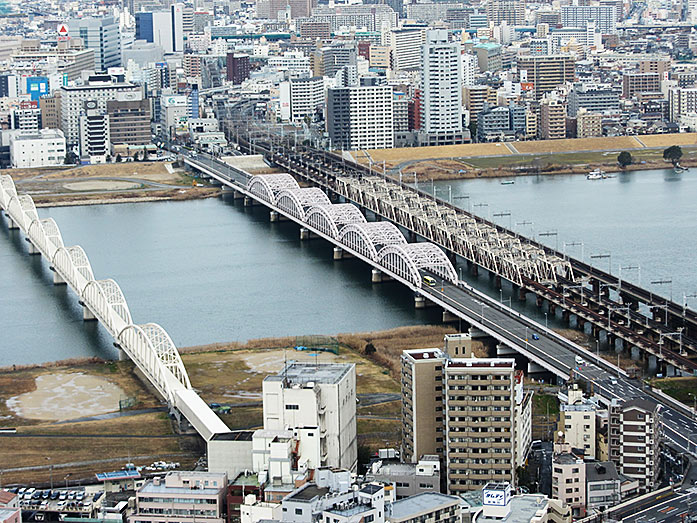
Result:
{"points": [[267, 186], [408, 260], [296, 202], [330, 219], [368, 238]]}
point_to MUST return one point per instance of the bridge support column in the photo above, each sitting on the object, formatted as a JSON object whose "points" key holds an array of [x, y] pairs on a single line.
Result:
{"points": [[122, 353], [504, 350], [248, 202], [534, 368], [305, 234], [497, 281], [11, 223], [475, 269], [419, 302], [566, 316], [32, 248], [57, 280], [449, 317], [87, 314], [539, 301], [273, 216], [338, 253], [378, 276], [237, 195], [522, 293]]}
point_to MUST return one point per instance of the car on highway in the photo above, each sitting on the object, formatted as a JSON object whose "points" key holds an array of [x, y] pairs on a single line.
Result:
{"points": [[431, 282], [535, 336]]}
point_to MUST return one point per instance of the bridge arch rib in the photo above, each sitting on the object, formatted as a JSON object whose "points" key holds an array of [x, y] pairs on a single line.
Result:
{"points": [[331, 219], [295, 202], [408, 260], [368, 238], [7, 190], [106, 299], [72, 263], [267, 186]]}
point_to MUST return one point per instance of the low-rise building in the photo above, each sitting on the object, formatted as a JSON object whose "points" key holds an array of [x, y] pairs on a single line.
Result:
{"points": [[183, 497], [37, 148], [569, 478], [603, 486], [408, 479], [433, 507], [499, 505]]}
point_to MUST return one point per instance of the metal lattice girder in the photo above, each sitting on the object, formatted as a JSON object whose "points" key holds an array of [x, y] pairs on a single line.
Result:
{"points": [[330, 219], [296, 202], [368, 238], [408, 260], [267, 186], [107, 297]]}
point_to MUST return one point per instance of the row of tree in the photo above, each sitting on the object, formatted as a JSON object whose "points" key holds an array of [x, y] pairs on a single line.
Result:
{"points": [[71, 158], [672, 154]]}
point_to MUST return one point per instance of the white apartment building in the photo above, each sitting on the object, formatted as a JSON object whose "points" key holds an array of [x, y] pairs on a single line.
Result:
{"points": [[569, 478], [605, 17], [316, 397], [577, 420], [405, 45], [37, 148], [25, 119], [301, 98], [174, 111], [470, 67], [98, 88], [441, 84], [361, 117], [103, 36]]}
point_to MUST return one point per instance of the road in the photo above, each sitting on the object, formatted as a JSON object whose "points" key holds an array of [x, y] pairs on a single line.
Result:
{"points": [[556, 354], [661, 508]]}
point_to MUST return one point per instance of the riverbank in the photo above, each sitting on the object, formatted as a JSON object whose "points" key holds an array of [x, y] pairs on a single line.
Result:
{"points": [[105, 198]]}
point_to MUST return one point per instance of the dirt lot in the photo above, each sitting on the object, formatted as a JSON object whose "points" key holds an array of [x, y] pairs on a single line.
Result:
{"points": [[578, 144], [394, 156], [666, 140]]}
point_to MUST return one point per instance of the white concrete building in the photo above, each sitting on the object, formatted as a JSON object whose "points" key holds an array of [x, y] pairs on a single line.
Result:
{"points": [[578, 419], [470, 67], [301, 98], [405, 45], [37, 148], [95, 144], [25, 119], [441, 84], [318, 398], [361, 117], [294, 61], [174, 112]]}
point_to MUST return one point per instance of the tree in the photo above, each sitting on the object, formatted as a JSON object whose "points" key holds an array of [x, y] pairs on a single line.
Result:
{"points": [[369, 349], [625, 159], [145, 154], [135, 156], [473, 131], [673, 154], [70, 158], [118, 158], [108, 158]]}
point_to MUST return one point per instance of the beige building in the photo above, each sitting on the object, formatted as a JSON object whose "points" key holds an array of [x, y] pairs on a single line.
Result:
{"points": [[552, 119], [588, 124], [67, 57], [635, 435], [380, 56], [50, 111], [634, 83], [474, 98], [185, 497], [464, 409], [546, 72], [569, 478], [577, 422]]}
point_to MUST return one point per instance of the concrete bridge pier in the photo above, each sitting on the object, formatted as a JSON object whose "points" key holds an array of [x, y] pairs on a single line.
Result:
{"points": [[248, 202], [534, 368], [566, 316], [419, 302], [378, 276], [341, 254], [273, 216], [237, 195], [57, 279], [551, 308], [497, 281], [122, 353], [522, 294], [11, 223], [475, 269], [449, 317], [539, 301], [306, 234], [504, 350], [87, 314], [32, 248]]}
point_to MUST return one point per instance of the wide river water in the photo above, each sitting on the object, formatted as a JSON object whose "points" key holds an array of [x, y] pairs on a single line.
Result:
{"points": [[213, 271]]}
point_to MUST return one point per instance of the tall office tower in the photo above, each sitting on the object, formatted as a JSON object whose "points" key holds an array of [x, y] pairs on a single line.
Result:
{"points": [[470, 411], [604, 16], [441, 84], [102, 35], [634, 438], [510, 11], [321, 396], [164, 28], [360, 117], [546, 72]]}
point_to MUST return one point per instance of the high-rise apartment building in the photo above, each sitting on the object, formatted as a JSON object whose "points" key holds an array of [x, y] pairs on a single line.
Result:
{"points": [[360, 117], [634, 432], [238, 68], [596, 98], [682, 101], [305, 395], [510, 11], [546, 73], [463, 409], [475, 98], [588, 124], [302, 98], [635, 83], [552, 119], [604, 16], [577, 422], [405, 45], [489, 56], [103, 36], [95, 145], [441, 84], [569, 478]]}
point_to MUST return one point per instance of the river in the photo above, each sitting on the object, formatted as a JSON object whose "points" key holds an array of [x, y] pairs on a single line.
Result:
{"points": [[214, 271]]}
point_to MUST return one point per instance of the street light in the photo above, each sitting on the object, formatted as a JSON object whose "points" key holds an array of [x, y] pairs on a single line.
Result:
{"points": [[50, 468], [483, 205], [601, 256], [546, 325], [684, 301]]}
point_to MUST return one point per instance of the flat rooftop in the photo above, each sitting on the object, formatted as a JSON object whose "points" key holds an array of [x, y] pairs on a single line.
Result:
{"points": [[297, 373], [413, 506], [308, 493], [523, 509]]}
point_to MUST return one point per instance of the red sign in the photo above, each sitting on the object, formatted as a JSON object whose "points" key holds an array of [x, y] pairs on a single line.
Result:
{"points": [[527, 86]]}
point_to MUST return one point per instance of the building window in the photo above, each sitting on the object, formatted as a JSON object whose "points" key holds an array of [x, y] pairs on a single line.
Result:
{"points": [[292, 407], [298, 512]]}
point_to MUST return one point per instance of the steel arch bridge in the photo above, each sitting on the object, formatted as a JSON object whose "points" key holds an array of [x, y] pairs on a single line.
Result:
{"points": [[380, 242], [148, 345]]}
